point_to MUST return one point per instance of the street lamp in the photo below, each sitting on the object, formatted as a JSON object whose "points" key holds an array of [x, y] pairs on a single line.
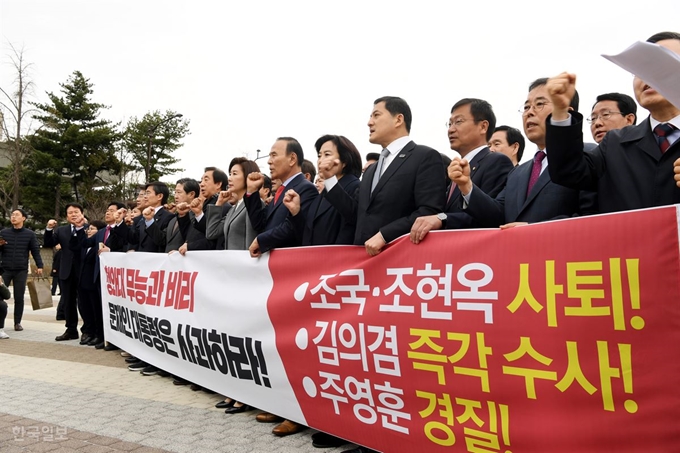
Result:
{"points": [[151, 133]]}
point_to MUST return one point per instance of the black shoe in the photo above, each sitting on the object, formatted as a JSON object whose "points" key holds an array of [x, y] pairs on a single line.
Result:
{"points": [[208, 390], [68, 335], [139, 366], [224, 404], [325, 440], [179, 381], [100, 345], [131, 359], [150, 371], [94, 341], [162, 373], [85, 339], [360, 450], [195, 387], [237, 409], [110, 347]]}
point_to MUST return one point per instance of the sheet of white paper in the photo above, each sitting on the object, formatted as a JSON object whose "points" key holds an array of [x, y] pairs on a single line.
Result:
{"points": [[656, 65]]}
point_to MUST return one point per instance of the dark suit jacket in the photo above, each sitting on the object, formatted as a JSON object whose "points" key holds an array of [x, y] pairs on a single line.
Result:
{"points": [[272, 223], [70, 262], [137, 235], [87, 248], [90, 267], [412, 186], [489, 172], [324, 224], [626, 169], [546, 201]]}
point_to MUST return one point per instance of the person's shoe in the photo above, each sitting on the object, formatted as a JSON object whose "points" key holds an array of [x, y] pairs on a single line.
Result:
{"points": [[266, 417], [125, 354], [3, 335], [325, 440], [179, 381], [206, 390], [150, 371], [360, 450], [139, 366], [225, 404], [195, 387], [68, 335], [94, 341], [131, 359], [286, 428], [163, 373], [100, 345], [18, 328], [85, 339], [110, 347], [237, 409]]}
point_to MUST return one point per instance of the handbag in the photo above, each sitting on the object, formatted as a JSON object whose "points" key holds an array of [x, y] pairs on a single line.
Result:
{"points": [[40, 290]]}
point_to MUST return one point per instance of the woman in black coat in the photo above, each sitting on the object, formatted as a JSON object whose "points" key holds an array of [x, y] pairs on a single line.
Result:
{"points": [[339, 162]]}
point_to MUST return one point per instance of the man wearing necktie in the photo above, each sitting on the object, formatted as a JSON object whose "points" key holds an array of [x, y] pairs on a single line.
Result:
{"points": [[470, 128], [529, 195], [69, 265], [632, 168], [407, 182], [89, 295], [285, 160]]}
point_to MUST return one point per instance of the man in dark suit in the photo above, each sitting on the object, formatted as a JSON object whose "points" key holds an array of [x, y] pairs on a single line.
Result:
{"points": [[179, 229], [611, 111], [69, 265], [407, 182], [471, 125], [271, 222], [98, 239], [632, 168], [509, 141], [155, 196], [529, 195]]}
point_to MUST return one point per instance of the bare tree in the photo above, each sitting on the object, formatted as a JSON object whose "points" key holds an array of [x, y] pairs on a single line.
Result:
{"points": [[15, 118]]}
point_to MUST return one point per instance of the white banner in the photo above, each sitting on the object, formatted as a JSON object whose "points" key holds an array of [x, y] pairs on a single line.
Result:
{"points": [[202, 317]]}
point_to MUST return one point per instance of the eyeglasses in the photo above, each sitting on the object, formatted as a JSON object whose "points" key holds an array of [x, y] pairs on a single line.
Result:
{"points": [[456, 123], [604, 116], [538, 106]]}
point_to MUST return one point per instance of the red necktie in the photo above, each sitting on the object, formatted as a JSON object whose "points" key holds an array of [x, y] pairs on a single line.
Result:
{"points": [[106, 233], [279, 191], [451, 190], [662, 131], [535, 170]]}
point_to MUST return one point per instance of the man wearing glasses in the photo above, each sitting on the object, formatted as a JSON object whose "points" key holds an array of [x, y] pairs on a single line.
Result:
{"points": [[470, 128], [611, 111], [529, 195], [632, 168]]}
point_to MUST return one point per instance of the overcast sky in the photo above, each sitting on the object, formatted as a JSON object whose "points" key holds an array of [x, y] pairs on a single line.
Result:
{"points": [[247, 72]]}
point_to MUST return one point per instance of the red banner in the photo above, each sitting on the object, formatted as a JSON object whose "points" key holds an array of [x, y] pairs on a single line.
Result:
{"points": [[555, 337]]}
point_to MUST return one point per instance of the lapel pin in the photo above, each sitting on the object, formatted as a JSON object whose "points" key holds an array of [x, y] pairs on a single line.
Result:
{"points": [[402, 155], [474, 168]]}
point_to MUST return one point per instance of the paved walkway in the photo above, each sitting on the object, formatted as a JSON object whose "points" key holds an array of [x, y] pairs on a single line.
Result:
{"points": [[61, 397]]}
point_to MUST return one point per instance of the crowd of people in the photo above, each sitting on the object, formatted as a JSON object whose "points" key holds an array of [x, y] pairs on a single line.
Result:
{"points": [[406, 189]]}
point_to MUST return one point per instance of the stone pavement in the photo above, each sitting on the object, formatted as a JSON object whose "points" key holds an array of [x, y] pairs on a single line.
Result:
{"points": [[61, 397]]}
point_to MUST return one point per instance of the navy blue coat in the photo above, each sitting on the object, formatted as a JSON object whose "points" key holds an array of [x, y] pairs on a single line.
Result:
{"points": [[273, 221]]}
